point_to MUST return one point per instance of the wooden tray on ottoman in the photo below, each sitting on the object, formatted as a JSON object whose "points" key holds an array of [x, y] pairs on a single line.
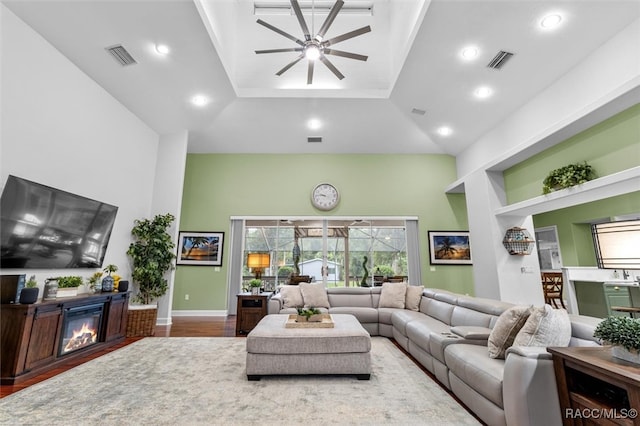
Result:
{"points": [[327, 322]]}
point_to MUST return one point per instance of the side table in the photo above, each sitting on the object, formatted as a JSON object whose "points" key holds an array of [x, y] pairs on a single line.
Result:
{"points": [[251, 309], [596, 388]]}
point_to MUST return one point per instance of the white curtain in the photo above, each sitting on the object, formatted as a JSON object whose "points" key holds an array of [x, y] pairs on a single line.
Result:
{"points": [[234, 275], [414, 258]]}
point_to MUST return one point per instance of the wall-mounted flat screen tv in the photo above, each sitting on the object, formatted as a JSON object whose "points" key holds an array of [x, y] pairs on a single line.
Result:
{"points": [[47, 228]]}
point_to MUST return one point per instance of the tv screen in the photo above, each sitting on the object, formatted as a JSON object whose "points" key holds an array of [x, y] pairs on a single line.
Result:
{"points": [[47, 228]]}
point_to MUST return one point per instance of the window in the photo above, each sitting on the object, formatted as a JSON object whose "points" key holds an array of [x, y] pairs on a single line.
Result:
{"points": [[344, 252]]}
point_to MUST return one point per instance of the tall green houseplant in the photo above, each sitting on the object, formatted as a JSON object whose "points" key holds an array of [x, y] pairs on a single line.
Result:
{"points": [[152, 254]]}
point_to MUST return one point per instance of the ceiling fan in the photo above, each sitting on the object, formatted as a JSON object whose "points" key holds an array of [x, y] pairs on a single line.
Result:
{"points": [[316, 47]]}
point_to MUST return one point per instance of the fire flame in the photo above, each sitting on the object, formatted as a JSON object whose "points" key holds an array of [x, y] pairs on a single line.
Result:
{"points": [[83, 337]]}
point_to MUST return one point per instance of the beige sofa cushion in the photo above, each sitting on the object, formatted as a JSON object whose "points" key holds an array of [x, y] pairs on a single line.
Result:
{"points": [[507, 327], [392, 295], [545, 327], [314, 295], [291, 296], [413, 297]]}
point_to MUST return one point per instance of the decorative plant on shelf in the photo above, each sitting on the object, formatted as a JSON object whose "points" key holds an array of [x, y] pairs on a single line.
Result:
{"points": [[94, 280], [152, 254], [621, 332], [568, 176], [68, 282], [31, 283]]}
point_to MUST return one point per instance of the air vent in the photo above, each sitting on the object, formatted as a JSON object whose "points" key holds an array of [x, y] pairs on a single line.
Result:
{"points": [[121, 55], [418, 111], [314, 139], [499, 60]]}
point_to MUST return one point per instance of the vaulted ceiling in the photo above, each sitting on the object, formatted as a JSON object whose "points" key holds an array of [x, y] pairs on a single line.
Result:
{"points": [[414, 82]]}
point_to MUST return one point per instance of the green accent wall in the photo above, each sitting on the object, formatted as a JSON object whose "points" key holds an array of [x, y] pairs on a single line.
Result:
{"points": [[218, 186], [610, 146]]}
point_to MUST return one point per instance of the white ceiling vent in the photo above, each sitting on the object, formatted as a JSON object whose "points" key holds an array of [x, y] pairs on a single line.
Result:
{"points": [[314, 139], [500, 59], [418, 111], [121, 55]]}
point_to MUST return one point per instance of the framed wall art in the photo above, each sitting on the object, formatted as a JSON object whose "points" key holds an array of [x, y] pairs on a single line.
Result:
{"points": [[200, 248], [449, 248]]}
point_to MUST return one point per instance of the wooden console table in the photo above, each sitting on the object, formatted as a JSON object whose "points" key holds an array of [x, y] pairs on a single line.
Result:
{"points": [[31, 333], [596, 388]]}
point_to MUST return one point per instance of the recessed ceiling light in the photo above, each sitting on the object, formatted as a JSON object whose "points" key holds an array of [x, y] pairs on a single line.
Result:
{"points": [[551, 21], [483, 92], [162, 49], [444, 131], [469, 53], [199, 100], [314, 124]]}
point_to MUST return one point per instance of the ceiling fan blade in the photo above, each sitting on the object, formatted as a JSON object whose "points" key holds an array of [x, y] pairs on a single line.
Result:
{"points": [[290, 64], [331, 67], [310, 72], [289, 49], [346, 36], [279, 31], [345, 54], [332, 15], [303, 23]]}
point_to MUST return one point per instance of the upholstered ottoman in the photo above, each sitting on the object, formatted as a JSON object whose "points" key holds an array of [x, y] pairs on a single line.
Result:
{"points": [[273, 349]]}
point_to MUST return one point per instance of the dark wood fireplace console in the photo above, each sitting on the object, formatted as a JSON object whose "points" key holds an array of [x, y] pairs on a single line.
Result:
{"points": [[31, 334]]}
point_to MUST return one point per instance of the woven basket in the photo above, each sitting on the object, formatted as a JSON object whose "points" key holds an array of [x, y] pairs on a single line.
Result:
{"points": [[141, 321]]}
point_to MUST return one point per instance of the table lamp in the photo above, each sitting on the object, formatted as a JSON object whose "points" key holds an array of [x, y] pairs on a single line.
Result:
{"points": [[257, 262]]}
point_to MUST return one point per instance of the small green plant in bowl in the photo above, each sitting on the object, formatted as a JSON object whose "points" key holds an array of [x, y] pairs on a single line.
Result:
{"points": [[310, 314], [624, 334], [69, 281]]}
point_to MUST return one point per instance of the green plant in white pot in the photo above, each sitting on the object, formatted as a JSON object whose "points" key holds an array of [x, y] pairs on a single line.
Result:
{"points": [[624, 334], [255, 285], [152, 254]]}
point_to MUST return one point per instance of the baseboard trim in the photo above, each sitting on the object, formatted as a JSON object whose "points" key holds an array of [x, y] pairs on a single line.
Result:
{"points": [[199, 313]]}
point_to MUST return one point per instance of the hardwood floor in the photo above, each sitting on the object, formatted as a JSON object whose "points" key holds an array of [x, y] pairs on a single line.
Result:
{"points": [[181, 327]]}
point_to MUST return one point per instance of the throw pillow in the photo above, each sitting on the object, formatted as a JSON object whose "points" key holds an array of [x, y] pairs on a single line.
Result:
{"points": [[392, 295], [291, 296], [505, 330], [314, 295], [413, 297], [545, 327]]}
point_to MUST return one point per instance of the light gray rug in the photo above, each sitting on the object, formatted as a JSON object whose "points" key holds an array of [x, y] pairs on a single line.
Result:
{"points": [[193, 381]]}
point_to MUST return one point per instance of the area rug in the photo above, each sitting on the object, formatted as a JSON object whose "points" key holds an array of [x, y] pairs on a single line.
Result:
{"points": [[202, 381]]}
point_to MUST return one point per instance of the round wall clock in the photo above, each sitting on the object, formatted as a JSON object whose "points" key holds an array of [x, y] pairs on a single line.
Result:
{"points": [[325, 196]]}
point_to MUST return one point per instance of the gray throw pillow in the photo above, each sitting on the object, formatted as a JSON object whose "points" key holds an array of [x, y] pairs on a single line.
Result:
{"points": [[291, 296], [413, 297], [392, 295], [314, 295], [545, 327], [505, 330]]}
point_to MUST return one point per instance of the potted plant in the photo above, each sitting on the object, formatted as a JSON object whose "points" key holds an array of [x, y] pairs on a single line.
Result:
{"points": [[68, 285], [108, 282], [29, 293], [624, 334], [152, 255], [567, 176], [310, 314], [95, 283], [255, 285]]}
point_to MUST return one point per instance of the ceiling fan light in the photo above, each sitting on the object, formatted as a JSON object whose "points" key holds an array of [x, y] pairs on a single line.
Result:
{"points": [[312, 52]]}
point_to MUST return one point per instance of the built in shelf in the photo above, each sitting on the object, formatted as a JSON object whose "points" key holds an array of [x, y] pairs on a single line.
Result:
{"points": [[624, 182]]}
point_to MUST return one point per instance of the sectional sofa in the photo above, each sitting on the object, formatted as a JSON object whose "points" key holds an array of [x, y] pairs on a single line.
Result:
{"points": [[448, 334]]}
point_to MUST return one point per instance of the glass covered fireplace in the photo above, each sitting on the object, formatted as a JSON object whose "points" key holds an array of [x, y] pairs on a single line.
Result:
{"points": [[80, 328]]}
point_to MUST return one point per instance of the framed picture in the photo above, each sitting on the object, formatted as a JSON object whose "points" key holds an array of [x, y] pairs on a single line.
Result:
{"points": [[449, 248], [200, 248]]}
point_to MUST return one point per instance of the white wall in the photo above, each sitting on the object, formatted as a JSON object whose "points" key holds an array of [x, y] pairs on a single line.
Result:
{"points": [[605, 76], [60, 128]]}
